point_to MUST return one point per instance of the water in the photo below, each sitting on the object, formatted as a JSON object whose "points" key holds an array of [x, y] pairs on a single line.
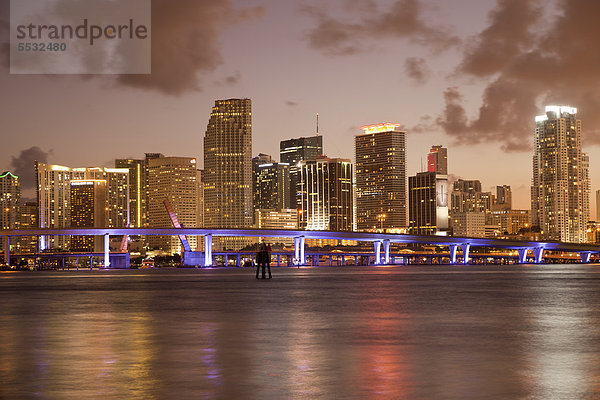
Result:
{"points": [[417, 332]]}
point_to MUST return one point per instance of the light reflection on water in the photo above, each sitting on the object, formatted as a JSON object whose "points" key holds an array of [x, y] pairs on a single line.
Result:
{"points": [[407, 332]]}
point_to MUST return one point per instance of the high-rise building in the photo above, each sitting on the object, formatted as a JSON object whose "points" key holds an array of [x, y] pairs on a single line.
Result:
{"points": [[291, 152], [428, 203], [137, 190], [27, 219], [468, 202], [326, 201], [380, 177], [88, 210], [271, 182], [437, 160], [53, 188], [228, 168], [10, 195], [560, 186], [503, 197], [173, 179]]}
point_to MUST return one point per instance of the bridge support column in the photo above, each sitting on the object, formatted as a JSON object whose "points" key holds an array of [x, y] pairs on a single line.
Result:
{"points": [[386, 252], [377, 252], [465, 249], [106, 250], [585, 257], [208, 250], [299, 250], [452, 249], [539, 255], [522, 256], [7, 250]]}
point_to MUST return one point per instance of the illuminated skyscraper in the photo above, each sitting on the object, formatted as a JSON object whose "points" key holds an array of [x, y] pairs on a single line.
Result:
{"points": [[10, 193], [560, 186], [381, 177], [271, 182], [437, 160], [137, 190], [27, 220], [326, 201], [228, 166], [53, 187], [428, 203], [88, 210], [291, 152], [174, 179]]}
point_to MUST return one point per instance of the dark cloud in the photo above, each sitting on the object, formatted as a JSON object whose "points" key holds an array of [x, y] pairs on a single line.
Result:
{"points": [[350, 34], [291, 103], [23, 165], [559, 63], [230, 80], [416, 69], [426, 124], [185, 42]]}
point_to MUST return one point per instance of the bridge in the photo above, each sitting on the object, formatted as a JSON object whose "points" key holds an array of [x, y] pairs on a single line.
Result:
{"points": [[381, 242]]}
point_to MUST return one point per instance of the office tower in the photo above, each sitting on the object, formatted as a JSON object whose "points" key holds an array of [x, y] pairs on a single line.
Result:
{"points": [[173, 179], [88, 210], [291, 152], [10, 195], [437, 160], [467, 196], [326, 194], [560, 185], [27, 219], [503, 197], [428, 203], [468, 204], [200, 207], [147, 157], [137, 190], [271, 182], [380, 177], [228, 168], [53, 189]]}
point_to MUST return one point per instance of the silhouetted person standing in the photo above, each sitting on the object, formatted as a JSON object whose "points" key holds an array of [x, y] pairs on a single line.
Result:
{"points": [[268, 260], [259, 259]]}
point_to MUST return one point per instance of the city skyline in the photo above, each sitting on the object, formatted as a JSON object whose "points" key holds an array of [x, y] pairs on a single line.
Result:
{"points": [[303, 70]]}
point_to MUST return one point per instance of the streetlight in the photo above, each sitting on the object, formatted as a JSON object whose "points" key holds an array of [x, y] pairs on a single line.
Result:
{"points": [[381, 217]]}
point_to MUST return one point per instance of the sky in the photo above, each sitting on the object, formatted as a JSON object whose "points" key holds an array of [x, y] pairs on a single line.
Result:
{"points": [[467, 74]]}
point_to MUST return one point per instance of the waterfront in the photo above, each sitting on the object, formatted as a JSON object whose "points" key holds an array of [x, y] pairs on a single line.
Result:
{"points": [[416, 332]]}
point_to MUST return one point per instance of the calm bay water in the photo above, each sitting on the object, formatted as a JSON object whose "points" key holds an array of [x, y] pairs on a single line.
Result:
{"points": [[418, 332]]}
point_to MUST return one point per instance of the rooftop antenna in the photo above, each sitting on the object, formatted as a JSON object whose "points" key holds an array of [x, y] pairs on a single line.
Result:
{"points": [[317, 124]]}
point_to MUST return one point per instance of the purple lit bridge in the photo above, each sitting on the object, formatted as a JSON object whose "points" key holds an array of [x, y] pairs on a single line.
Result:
{"points": [[381, 242]]}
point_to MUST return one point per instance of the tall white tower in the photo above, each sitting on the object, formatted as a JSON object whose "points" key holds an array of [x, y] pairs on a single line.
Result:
{"points": [[560, 191]]}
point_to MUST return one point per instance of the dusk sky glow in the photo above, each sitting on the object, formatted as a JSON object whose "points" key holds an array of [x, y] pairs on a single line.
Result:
{"points": [[470, 75]]}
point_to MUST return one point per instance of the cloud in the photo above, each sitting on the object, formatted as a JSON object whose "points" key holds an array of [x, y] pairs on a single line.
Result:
{"points": [[416, 69], [529, 65], [23, 165], [291, 103], [185, 43], [349, 35], [230, 80]]}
